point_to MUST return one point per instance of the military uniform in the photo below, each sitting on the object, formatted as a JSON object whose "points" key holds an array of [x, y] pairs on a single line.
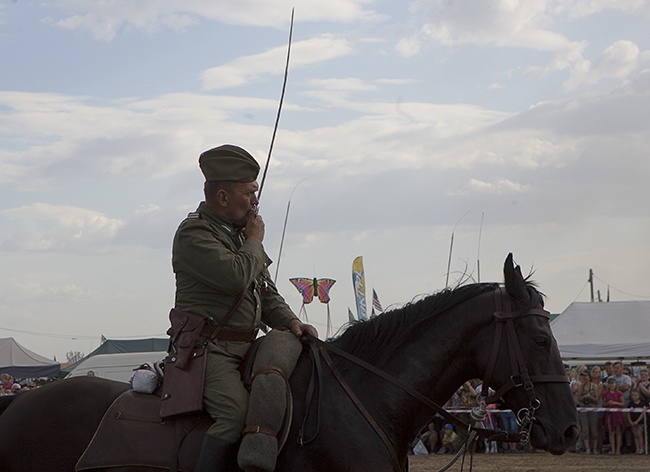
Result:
{"points": [[213, 264]]}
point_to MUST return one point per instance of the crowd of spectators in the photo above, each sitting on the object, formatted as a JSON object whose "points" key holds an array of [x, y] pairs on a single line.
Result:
{"points": [[440, 437], [599, 393], [8, 386]]}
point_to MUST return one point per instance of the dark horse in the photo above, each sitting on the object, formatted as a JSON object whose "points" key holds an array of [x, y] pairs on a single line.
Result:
{"points": [[431, 346]]}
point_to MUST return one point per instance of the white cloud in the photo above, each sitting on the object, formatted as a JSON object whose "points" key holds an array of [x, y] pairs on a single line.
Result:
{"points": [[584, 8], [498, 187], [75, 137], [105, 20], [250, 68], [398, 81], [617, 61], [148, 209], [43, 288], [350, 84], [520, 24], [46, 227], [408, 47], [533, 25], [571, 55], [496, 86]]}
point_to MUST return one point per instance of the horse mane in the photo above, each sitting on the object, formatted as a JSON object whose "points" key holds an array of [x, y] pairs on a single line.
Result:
{"points": [[382, 334]]}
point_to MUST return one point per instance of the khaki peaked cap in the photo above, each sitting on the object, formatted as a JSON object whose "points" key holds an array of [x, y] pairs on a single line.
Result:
{"points": [[228, 163]]}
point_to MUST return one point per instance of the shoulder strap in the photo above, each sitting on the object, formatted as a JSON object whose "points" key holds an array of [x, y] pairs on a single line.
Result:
{"points": [[215, 332]]}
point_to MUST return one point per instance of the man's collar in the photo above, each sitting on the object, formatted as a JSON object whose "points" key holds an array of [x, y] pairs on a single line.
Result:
{"points": [[212, 216]]}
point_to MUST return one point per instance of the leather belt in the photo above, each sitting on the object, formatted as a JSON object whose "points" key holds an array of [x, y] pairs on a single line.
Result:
{"points": [[226, 334]]}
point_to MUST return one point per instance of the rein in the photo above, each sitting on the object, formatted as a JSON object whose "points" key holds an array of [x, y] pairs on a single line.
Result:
{"points": [[504, 315], [483, 433]]}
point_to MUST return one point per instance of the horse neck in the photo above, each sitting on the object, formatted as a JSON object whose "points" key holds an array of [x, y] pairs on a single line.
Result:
{"points": [[435, 363], [450, 348]]}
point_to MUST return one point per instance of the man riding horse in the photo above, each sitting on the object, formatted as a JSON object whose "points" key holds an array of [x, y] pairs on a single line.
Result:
{"points": [[221, 272]]}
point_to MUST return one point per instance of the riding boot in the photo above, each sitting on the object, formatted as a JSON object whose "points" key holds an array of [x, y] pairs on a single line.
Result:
{"points": [[216, 455]]}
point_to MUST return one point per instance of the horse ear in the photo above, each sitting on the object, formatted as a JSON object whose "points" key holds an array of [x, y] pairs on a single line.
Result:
{"points": [[515, 283]]}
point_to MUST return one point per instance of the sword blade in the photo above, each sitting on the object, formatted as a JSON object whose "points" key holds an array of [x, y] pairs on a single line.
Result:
{"points": [[277, 118]]}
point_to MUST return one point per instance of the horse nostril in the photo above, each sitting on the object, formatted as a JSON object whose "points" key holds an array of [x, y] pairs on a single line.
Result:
{"points": [[571, 435]]}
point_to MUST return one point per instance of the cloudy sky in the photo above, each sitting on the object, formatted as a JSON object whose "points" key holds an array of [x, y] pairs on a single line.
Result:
{"points": [[515, 126]]}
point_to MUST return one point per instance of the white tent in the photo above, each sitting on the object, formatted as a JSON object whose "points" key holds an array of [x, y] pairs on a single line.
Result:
{"points": [[114, 346], [604, 331], [116, 366], [20, 362]]}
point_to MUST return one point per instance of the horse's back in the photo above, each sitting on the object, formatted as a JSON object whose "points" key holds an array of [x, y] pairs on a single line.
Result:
{"points": [[69, 410]]}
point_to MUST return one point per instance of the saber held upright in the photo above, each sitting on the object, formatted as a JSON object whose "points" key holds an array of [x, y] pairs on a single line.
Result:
{"points": [[277, 118]]}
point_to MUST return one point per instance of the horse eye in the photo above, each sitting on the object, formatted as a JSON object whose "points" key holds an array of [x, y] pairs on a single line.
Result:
{"points": [[542, 341]]}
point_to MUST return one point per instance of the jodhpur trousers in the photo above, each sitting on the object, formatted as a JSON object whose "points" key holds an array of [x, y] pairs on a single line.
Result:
{"points": [[225, 397]]}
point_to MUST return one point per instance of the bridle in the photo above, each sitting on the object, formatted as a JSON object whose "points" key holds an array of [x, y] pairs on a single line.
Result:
{"points": [[504, 316]]}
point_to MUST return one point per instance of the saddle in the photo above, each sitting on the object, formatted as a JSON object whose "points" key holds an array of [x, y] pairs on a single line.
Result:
{"points": [[133, 434]]}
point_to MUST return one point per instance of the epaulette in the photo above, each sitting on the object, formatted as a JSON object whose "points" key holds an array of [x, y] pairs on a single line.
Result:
{"points": [[194, 215]]}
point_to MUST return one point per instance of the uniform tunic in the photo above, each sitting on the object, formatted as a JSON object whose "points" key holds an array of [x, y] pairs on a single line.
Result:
{"points": [[213, 264]]}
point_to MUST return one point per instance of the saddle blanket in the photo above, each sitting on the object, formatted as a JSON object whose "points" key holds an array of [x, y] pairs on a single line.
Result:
{"points": [[132, 434]]}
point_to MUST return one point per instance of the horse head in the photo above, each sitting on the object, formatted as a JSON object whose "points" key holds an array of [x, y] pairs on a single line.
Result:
{"points": [[525, 369]]}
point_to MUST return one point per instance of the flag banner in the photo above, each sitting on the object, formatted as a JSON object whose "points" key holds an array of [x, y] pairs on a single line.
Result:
{"points": [[375, 302], [359, 283]]}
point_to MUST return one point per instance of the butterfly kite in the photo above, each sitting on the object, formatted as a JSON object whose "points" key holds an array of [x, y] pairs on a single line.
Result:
{"points": [[310, 288]]}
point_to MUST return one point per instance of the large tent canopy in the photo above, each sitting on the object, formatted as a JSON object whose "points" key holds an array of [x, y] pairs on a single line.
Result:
{"points": [[116, 366], [604, 331], [119, 346], [114, 346], [20, 362]]}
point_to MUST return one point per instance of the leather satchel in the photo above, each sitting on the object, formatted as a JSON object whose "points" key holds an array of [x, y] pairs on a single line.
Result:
{"points": [[184, 367]]}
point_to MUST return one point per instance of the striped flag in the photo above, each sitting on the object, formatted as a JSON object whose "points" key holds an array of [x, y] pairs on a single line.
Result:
{"points": [[375, 303]]}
